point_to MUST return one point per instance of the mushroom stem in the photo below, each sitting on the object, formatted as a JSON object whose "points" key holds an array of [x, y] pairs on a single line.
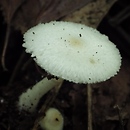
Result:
{"points": [[28, 100], [89, 95]]}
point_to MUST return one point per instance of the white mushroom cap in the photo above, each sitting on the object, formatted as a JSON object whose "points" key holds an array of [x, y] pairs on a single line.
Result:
{"points": [[53, 120], [73, 51]]}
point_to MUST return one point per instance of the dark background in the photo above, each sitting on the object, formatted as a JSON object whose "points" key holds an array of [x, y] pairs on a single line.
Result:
{"points": [[116, 24]]}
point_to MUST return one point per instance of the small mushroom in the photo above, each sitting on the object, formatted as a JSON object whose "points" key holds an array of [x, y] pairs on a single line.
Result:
{"points": [[53, 120]]}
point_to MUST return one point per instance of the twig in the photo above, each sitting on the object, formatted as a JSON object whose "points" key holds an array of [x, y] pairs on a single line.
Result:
{"points": [[120, 116], [14, 74], [5, 47], [89, 95]]}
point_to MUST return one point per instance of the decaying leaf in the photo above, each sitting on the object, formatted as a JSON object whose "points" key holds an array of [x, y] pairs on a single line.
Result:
{"points": [[92, 13], [23, 14]]}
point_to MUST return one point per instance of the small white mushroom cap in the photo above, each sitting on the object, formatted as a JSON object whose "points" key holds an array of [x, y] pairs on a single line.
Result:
{"points": [[73, 51], [53, 120]]}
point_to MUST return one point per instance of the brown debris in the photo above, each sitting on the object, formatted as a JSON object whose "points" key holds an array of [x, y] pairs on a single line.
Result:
{"points": [[23, 14]]}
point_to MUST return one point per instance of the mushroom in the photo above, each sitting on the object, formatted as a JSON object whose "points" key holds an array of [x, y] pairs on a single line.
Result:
{"points": [[53, 120], [74, 52]]}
